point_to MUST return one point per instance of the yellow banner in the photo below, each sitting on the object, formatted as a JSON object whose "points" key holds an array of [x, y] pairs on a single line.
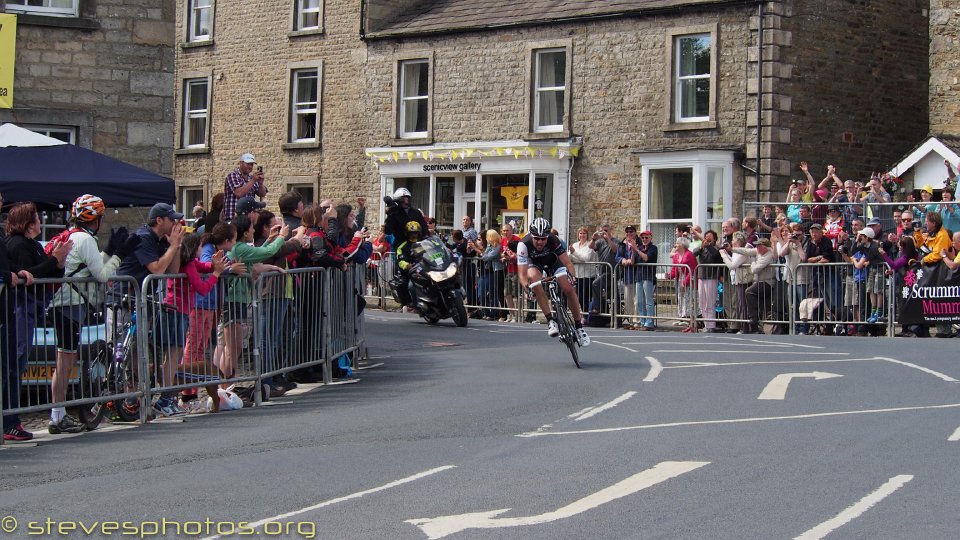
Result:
{"points": [[8, 57]]}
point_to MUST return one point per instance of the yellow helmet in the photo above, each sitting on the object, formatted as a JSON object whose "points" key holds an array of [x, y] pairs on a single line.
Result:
{"points": [[413, 226]]}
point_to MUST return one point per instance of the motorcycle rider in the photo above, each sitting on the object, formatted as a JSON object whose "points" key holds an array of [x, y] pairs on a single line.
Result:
{"points": [[409, 253], [399, 214]]}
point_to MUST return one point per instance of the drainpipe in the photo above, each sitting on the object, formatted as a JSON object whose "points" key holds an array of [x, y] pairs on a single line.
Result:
{"points": [[759, 94]]}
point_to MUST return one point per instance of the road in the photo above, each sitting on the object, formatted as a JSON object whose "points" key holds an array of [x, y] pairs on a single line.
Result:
{"points": [[491, 432]]}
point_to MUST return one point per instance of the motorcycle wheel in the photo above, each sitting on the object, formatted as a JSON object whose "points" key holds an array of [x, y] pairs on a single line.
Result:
{"points": [[459, 311], [93, 383]]}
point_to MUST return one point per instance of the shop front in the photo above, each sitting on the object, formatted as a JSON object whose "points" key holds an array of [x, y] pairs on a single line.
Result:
{"points": [[494, 182]]}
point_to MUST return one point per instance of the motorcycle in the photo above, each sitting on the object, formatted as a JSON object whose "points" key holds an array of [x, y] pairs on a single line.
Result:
{"points": [[438, 291]]}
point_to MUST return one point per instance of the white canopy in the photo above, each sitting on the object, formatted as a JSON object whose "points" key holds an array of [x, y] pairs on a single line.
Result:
{"points": [[12, 135]]}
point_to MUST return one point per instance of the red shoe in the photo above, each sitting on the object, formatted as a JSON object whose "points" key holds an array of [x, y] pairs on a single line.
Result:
{"points": [[690, 330]]}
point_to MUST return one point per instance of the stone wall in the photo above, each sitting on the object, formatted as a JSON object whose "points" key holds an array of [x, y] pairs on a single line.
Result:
{"points": [[249, 60], [109, 73], [945, 67], [850, 79]]}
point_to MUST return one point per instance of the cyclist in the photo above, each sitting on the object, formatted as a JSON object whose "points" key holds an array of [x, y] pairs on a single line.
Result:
{"points": [[538, 254]]}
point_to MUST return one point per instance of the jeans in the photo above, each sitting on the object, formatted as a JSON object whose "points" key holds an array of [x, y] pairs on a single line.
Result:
{"points": [[645, 302]]}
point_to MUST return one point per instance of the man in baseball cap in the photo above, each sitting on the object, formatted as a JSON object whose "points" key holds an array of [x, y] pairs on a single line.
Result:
{"points": [[250, 206], [242, 182]]}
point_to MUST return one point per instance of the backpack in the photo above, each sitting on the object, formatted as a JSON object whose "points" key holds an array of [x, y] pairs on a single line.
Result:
{"points": [[61, 237]]}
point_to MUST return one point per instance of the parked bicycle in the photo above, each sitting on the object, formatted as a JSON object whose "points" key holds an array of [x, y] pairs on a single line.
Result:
{"points": [[568, 331]]}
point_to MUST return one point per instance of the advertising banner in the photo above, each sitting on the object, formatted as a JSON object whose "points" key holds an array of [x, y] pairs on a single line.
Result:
{"points": [[8, 56], [930, 295]]}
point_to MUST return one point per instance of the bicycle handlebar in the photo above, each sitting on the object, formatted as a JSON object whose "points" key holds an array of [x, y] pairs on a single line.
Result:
{"points": [[541, 282]]}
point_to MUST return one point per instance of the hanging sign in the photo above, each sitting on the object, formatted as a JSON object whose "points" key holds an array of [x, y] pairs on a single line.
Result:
{"points": [[8, 55]]}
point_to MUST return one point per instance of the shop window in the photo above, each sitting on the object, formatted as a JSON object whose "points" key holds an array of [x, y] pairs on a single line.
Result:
{"points": [[199, 21], [54, 8], [445, 199], [414, 106]]}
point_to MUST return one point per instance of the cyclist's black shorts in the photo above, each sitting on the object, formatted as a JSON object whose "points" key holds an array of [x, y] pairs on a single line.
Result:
{"points": [[66, 328]]}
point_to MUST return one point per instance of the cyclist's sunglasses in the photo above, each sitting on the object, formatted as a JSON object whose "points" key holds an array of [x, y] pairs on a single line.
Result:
{"points": [[540, 238]]}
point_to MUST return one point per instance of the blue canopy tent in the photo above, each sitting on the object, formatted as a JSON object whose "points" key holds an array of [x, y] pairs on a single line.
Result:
{"points": [[54, 173]]}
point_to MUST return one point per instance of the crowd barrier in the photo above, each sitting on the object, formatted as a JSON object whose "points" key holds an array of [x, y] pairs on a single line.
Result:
{"points": [[128, 344], [806, 298]]}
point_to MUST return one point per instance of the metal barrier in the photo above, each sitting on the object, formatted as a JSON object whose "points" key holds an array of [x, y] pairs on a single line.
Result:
{"points": [[648, 294], [58, 350], [136, 341]]}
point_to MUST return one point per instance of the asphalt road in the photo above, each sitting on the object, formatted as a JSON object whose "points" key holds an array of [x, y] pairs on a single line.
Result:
{"points": [[491, 432]]}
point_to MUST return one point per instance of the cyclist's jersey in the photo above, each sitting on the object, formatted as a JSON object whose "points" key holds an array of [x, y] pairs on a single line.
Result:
{"points": [[546, 259]]}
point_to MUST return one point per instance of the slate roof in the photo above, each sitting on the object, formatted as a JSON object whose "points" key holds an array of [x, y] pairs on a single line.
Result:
{"points": [[439, 16]]}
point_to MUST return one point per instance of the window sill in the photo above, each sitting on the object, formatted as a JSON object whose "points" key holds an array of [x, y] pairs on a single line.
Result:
{"points": [[546, 135], [411, 142], [77, 23], [191, 151], [301, 145], [302, 33], [689, 126], [196, 44]]}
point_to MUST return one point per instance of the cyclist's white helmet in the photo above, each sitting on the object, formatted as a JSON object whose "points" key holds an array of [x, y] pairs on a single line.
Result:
{"points": [[540, 227], [401, 192]]}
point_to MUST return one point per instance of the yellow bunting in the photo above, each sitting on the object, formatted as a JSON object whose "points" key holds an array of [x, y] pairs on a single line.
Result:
{"points": [[396, 156], [409, 156], [469, 152], [575, 151], [455, 155], [553, 151]]}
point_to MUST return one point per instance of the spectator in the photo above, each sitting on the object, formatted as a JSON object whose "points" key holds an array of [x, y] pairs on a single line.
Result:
{"points": [[953, 174], [250, 207], [158, 251], [708, 282], [351, 237], [213, 216], [833, 226], [767, 223], [238, 296], [683, 271], [21, 305], [170, 328], [198, 212], [606, 245], [647, 281], [925, 204], [511, 282], [469, 232], [933, 239], [584, 260], [793, 205], [749, 229], [951, 255], [627, 260], [907, 256], [492, 273], [871, 260], [805, 218], [854, 292], [790, 248], [807, 187], [875, 198], [242, 182], [827, 280], [291, 208], [948, 210], [740, 276], [758, 294], [71, 303]]}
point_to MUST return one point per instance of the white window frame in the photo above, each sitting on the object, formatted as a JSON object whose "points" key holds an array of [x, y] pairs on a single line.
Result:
{"points": [[184, 207], [700, 162], [188, 114], [300, 12], [193, 14], [680, 79], [298, 108], [52, 131], [42, 10], [404, 98], [539, 90]]}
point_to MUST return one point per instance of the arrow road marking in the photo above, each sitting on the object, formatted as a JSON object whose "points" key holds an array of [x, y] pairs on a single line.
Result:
{"points": [[439, 527], [777, 388], [857, 509], [955, 437]]}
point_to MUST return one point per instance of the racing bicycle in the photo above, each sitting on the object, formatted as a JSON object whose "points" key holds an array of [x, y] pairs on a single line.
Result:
{"points": [[568, 331]]}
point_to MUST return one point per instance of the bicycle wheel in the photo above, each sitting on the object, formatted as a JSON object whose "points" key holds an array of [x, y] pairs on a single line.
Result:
{"points": [[93, 383], [568, 332]]}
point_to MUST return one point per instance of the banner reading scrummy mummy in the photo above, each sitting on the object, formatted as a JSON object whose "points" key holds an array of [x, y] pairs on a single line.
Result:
{"points": [[930, 295]]}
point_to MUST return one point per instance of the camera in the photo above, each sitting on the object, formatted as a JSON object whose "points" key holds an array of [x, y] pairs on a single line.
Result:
{"points": [[725, 245], [260, 168], [796, 236], [915, 224], [391, 204]]}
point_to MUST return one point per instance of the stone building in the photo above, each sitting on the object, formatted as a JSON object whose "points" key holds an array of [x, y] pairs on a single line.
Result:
{"points": [[635, 111], [99, 74]]}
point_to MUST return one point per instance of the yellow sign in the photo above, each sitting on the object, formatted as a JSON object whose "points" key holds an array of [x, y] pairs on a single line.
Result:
{"points": [[8, 57]]}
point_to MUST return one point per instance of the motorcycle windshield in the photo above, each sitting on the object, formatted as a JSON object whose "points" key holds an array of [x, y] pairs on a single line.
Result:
{"points": [[436, 256]]}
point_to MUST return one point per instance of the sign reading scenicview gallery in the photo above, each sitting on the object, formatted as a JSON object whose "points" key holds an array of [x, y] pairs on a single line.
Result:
{"points": [[8, 54]]}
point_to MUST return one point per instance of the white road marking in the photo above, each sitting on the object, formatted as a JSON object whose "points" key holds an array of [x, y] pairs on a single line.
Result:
{"points": [[955, 437], [441, 526], [656, 368], [857, 509], [357, 495], [757, 345], [936, 374], [777, 388], [617, 346], [724, 364], [371, 366], [581, 411], [740, 420], [729, 351], [593, 411]]}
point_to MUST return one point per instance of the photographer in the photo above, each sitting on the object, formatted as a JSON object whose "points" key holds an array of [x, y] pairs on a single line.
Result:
{"points": [[399, 213], [242, 182], [876, 198]]}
